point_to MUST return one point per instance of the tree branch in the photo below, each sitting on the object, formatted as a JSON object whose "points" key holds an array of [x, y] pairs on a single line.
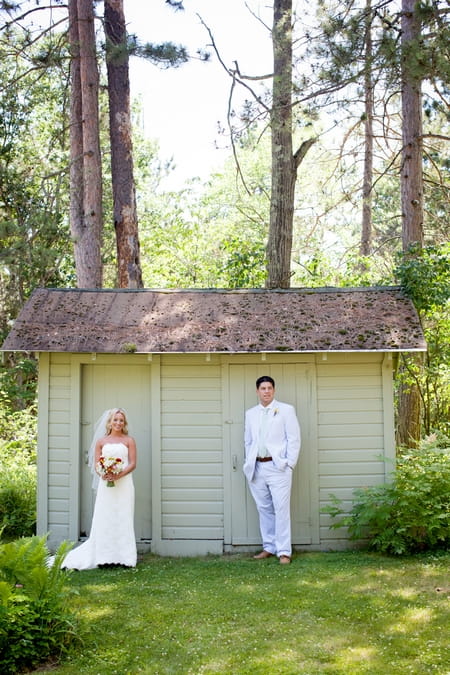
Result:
{"points": [[234, 74], [299, 155]]}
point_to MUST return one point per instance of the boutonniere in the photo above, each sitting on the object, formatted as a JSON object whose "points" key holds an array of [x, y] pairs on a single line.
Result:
{"points": [[275, 412]]}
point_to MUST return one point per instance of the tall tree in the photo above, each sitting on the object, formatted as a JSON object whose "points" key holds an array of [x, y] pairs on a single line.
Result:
{"points": [[284, 171], [87, 226], [120, 133], [285, 162], [411, 184], [86, 189], [367, 189], [411, 176], [76, 183]]}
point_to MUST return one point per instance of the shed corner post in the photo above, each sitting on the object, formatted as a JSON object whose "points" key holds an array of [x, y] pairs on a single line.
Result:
{"points": [[156, 545], [387, 372], [42, 444]]}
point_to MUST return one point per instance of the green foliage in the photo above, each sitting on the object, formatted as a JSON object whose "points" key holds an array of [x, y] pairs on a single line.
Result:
{"points": [[166, 54], [35, 621], [18, 380], [35, 247], [17, 496], [435, 378], [424, 274], [33, 174], [244, 265], [409, 514], [18, 471], [210, 235], [433, 50], [18, 431]]}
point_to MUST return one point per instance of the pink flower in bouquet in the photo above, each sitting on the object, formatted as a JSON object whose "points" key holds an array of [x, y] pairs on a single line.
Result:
{"points": [[107, 465]]}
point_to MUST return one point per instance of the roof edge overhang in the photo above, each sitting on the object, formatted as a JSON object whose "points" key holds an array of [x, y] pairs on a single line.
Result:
{"points": [[225, 353], [229, 291]]}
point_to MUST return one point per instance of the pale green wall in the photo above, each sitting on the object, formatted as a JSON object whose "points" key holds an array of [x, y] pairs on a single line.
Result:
{"points": [[192, 439]]}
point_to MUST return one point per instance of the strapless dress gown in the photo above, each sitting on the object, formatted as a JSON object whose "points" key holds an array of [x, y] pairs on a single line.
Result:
{"points": [[111, 539]]}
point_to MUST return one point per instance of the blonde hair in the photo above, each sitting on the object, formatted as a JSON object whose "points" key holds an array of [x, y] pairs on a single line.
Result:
{"points": [[110, 418]]}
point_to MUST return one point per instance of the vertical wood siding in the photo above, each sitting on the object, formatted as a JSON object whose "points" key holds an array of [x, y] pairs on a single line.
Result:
{"points": [[191, 448]]}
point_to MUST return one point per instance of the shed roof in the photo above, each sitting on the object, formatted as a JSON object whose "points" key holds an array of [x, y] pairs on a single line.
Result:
{"points": [[244, 320]]}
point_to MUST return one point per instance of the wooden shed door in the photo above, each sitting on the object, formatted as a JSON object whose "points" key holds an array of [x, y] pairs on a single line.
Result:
{"points": [[294, 383], [128, 387]]}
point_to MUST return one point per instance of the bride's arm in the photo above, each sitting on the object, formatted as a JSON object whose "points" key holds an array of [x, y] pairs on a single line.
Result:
{"points": [[131, 457], [97, 453]]}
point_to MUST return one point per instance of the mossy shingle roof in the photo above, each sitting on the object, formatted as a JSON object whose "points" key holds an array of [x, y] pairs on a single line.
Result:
{"points": [[244, 320]]}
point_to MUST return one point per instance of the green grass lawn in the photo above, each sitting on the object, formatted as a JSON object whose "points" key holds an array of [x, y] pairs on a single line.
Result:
{"points": [[340, 613]]}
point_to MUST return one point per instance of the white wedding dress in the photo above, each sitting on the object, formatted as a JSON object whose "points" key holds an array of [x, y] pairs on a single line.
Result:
{"points": [[112, 539]]}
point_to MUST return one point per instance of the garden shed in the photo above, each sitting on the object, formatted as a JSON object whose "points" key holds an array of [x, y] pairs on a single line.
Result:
{"points": [[183, 364]]}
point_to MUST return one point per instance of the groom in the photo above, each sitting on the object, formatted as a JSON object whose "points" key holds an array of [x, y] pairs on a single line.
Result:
{"points": [[272, 446]]}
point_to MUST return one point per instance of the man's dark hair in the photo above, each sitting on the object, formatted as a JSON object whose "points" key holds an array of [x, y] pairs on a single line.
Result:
{"points": [[265, 378]]}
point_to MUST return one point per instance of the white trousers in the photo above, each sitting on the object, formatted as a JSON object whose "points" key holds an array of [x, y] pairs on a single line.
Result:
{"points": [[271, 490]]}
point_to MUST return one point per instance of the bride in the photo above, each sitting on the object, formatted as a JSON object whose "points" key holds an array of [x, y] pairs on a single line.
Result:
{"points": [[112, 539]]}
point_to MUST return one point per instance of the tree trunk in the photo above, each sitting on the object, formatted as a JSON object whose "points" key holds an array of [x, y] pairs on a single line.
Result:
{"points": [[412, 147], [123, 187], [409, 403], [366, 229], [76, 142], [284, 172], [89, 242], [284, 163]]}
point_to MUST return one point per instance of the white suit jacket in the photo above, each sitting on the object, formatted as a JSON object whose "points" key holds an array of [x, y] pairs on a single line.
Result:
{"points": [[282, 440]]}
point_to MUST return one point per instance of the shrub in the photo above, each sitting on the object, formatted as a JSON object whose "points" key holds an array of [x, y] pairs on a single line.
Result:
{"points": [[35, 622], [18, 471], [17, 496], [409, 514], [17, 430]]}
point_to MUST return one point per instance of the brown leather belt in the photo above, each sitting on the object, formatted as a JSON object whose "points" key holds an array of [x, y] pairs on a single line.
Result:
{"points": [[264, 459]]}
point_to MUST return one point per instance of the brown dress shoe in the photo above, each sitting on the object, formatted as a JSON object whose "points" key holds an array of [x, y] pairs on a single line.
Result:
{"points": [[284, 560], [262, 555]]}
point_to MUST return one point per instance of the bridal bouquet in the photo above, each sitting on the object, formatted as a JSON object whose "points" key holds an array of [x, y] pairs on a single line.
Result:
{"points": [[109, 465]]}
